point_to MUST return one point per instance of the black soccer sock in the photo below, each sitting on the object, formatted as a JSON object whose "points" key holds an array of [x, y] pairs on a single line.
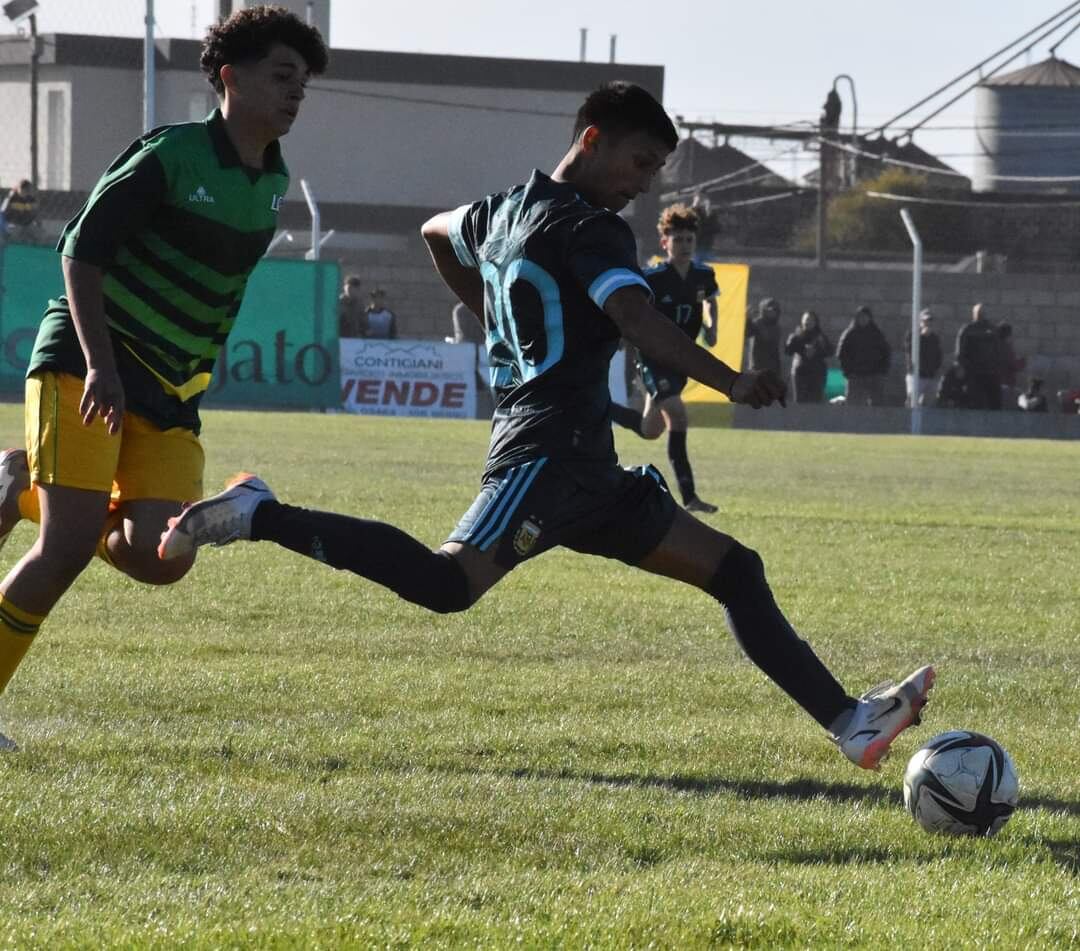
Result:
{"points": [[374, 550], [769, 640], [684, 475], [626, 417]]}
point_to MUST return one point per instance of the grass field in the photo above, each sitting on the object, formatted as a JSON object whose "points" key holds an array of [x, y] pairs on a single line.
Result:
{"points": [[272, 754]]}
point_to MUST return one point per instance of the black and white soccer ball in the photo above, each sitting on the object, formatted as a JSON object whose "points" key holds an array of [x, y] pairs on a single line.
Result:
{"points": [[961, 783]]}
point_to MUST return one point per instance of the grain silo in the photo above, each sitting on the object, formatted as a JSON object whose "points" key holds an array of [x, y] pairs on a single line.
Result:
{"points": [[1027, 125]]}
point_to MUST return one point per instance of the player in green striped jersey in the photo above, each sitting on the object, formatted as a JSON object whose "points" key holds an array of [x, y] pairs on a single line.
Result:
{"points": [[155, 265]]}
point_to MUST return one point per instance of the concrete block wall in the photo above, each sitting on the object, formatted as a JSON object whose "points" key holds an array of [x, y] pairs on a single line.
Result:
{"points": [[1044, 310], [414, 291]]}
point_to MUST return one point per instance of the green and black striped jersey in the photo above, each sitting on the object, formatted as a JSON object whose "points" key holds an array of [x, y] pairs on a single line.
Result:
{"points": [[177, 223]]}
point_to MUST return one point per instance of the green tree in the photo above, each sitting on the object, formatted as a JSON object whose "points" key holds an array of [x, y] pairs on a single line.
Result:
{"points": [[859, 221]]}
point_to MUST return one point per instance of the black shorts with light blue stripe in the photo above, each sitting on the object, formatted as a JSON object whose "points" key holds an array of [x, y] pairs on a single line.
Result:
{"points": [[592, 508]]}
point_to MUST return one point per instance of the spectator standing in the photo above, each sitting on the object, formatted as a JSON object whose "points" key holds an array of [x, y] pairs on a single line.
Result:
{"points": [[763, 332], [810, 350], [352, 321], [20, 213], [864, 358], [930, 360], [978, 351], [1010, 364], [1033, 399], [381, 322], [467, 326]]}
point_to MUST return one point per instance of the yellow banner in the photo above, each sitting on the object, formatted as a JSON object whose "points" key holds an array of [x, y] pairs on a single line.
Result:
{"points": [[733, 280]]}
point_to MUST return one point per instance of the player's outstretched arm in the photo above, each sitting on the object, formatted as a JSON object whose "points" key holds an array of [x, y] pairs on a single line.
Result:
{"points": [[660, 339], [464, 281]]}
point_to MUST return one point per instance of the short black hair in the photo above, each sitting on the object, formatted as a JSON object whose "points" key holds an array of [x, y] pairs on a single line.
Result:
{"points": [[247, 35], [620, 108]]}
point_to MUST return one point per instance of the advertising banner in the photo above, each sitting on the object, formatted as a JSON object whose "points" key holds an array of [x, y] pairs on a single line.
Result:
{"points": [[29, 276], [408, 378], [282, 351], [733, 280]]}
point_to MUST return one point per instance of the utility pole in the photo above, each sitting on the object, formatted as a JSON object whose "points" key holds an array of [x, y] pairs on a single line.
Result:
{"points": [[822, 202], [149, 71], [830, 121], [34, 101]]}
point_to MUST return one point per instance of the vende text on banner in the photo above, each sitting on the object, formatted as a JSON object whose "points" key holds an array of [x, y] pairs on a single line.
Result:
{"points": [[408, 378]]}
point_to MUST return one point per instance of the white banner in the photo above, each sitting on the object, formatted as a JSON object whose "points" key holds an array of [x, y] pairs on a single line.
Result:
{"points": [[408, 378]]}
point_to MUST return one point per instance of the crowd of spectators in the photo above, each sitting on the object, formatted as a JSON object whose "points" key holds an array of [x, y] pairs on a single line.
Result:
{"points": [[982, 372]]}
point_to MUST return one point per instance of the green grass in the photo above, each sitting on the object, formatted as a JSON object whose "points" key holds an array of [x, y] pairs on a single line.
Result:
{"points": [[271, 754]]}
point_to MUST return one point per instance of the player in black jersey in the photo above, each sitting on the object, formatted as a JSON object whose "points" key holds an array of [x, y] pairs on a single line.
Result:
{"points": [[553, 269], [682, 291]]}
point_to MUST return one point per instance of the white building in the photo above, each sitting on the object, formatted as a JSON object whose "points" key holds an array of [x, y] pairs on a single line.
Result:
{"points": [[383, 138]]}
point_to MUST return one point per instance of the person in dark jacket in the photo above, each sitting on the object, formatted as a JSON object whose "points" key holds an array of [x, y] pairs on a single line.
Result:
{"points": [[1010, 365], [763, 334], [810, 350], [864, 358], [953, 390], [930, 359], [978, 350]]}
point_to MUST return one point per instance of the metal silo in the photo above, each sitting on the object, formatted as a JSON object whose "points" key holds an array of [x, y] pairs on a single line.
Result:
{"points": [[1027, 123]]}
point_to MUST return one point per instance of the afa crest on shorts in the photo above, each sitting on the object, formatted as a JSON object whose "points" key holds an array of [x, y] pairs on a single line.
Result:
{"points": [[525, 537]]}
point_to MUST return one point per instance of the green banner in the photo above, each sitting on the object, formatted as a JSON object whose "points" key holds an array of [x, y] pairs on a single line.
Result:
{"points": [[29, 276], [282, 352]]}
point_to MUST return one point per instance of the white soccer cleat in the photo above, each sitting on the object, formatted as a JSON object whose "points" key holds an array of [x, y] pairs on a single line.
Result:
{"points": [[8, 745], [881, 715], [217, 520], [14, 479]]}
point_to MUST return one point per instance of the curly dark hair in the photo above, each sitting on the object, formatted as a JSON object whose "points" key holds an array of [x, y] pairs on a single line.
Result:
{"points": [[678, 218], [247, 35]]}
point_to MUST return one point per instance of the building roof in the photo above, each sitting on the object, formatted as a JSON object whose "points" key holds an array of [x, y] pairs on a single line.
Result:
{"points": [[377, 66], [694, 163], [1052, 72]]}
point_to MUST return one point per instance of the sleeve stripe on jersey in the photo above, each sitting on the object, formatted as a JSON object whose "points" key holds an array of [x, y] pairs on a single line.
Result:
{"points": [[610, 281], [457, 239]]}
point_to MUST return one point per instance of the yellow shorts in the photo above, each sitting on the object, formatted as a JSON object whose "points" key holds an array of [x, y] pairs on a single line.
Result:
{"points": [[139, 462]]}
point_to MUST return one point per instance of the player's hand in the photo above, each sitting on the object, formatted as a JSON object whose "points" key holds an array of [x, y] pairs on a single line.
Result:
{"points": [[759, 388], [103, 395]]}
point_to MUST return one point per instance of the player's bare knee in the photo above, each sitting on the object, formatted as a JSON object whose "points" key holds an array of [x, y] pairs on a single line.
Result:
{"points": [[145, 566], [652, 426]]}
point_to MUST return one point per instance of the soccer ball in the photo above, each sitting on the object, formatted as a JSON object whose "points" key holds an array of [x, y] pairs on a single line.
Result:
{"points": [[961, 783]]}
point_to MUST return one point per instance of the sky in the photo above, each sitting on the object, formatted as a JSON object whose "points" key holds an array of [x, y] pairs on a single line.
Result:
{"points": [[751, 61]]}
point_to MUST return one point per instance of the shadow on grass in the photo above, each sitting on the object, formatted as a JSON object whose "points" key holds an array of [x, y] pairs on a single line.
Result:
{"points": [[1066, 853], [796, 790], [1070, 807]]}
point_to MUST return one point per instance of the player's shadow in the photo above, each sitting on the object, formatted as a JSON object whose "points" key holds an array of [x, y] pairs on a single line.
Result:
{"points": [[795, 790], [1070, 807], [1066, 853]]}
